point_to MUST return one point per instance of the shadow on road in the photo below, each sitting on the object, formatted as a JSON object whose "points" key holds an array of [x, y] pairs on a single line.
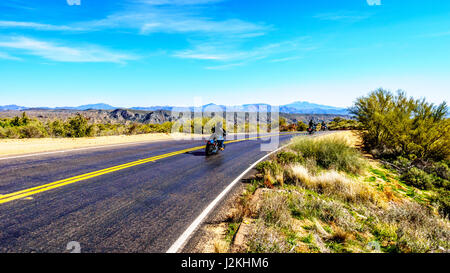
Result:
{"points": [[197, 153]]}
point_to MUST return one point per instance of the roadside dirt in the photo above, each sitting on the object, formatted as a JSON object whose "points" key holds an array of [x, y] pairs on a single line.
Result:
{"points": [[10, 147]]}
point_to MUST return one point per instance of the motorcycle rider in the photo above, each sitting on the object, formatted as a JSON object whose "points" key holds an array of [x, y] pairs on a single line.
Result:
{"points": [[324, 125], [218, 134], [312, 124]]}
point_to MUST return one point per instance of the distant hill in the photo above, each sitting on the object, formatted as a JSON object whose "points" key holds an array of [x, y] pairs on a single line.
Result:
{"points": [[303, 107], [11, 107], [299, 107], [98, 106], [292, 108]]}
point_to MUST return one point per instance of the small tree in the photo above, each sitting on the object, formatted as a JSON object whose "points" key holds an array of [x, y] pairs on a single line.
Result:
{"points": [[395, 125], [78, 126], [301, 126]]}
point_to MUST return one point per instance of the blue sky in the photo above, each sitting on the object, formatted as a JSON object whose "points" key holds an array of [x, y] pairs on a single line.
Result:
{"points": [[168, 52]]}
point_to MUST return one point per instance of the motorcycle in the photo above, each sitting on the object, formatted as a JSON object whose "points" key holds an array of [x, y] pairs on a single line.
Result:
{"points": [[212, 147], [311, 130]]}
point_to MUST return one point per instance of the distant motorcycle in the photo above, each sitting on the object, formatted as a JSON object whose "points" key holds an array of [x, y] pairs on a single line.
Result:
{"points": [[311, 130], [212, 147]]}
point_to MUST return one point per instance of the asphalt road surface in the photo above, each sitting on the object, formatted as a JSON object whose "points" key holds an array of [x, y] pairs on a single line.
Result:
{"points": [[114, 199]]}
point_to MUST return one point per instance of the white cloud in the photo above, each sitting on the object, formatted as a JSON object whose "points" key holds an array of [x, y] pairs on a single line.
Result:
{"points": [[74, 2], [178, 2], [232, 56], [37, 26], [7, 56], [61, 53], [203, 25], [435, 35], [374, 2], [287, 59], [345, 16], [176, 21], [150, 16]]}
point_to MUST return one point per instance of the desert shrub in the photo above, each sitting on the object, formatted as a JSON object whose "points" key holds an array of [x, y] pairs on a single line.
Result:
{"points": [[418, 229], [339, 123], [267, 239], [301, 126], [283, 125], [269, 167], [395, 125], [12, 132], [329, 211], [21, 127], [402, 163], [132, 129], [385, 232], [274, 209], [287, 157], [423, 175], [330, 153], [160, 128], [417, 178], [78, 126], [56, 128], [442, 200], [440, 169], [3, 132], [32, 131]]}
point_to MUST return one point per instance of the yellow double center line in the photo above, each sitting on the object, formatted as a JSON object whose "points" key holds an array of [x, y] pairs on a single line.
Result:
{"points": [[60, 183]]}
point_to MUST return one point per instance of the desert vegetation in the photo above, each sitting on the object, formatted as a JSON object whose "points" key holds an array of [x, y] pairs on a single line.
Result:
{"points": [[383, 188], [77, 126], [411, 137], [323, 195], [339, 123]]}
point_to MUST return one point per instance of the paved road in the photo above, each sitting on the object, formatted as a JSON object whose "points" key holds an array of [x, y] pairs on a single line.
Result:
{"points": [[141, 208]]}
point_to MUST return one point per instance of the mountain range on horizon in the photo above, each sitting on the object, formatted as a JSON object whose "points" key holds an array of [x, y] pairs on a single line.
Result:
{"points": [[299, 107]]}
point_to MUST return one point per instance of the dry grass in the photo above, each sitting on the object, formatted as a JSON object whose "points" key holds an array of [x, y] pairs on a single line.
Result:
{"points": [[267, 239], [220, 246], [417, 228], [331, 152], [332, 183], [275, 209]]}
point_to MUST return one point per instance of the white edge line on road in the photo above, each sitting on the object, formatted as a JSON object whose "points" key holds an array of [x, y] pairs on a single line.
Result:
{"points": [[182, 240]]}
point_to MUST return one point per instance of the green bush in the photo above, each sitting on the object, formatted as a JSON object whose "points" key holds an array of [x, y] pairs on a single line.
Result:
{"points": [[269, 167], [56, 128], [330, 153], [395, 125], [286, 157], [339, 123], [418, 178], [3, 133], [440, 169], [32, 131], [301, 126], [442, 200], [13, 132]]}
